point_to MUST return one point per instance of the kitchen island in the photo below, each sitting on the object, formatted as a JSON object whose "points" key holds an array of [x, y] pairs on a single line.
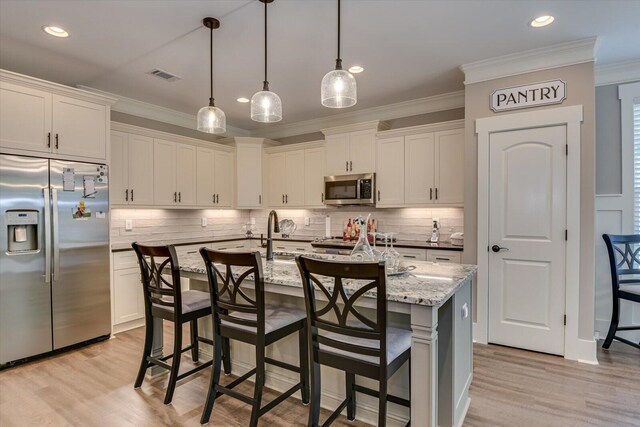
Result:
{"points": [[434, 301]]}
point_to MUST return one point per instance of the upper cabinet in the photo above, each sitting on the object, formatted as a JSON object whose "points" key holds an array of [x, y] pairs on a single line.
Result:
{"points": [[352, 149], [248, 174], [131, 161], [286, 178], [174, 173], [314, 173], [52, 119], [424, 161]]}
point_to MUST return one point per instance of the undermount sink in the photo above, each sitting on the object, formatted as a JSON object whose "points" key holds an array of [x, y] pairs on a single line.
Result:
{"points": [[284, 257]]}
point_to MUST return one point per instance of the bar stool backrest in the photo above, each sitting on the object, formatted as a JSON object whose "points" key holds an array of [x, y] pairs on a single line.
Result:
{"points": [[160, 273], [343, 284], [227, 272], [624, 259]]}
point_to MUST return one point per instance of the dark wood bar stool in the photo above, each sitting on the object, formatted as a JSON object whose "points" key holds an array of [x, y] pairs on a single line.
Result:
{"points": [[164, 299], [343, 338], [250, 320], [624, 260]]}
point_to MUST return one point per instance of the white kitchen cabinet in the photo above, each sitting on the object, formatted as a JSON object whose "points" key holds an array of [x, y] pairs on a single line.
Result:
{"points": [[444, 256], [390, 172], [164, 172], [205, 177], [248, 175], [314, 160], [286, 172], [449, 167], [131, 182], [337, 154], [127, 294], [411, 254], [223, 182], [25, 118], [186, 174], [79, 128], [419, 152], [283, 245], [352, 152]]}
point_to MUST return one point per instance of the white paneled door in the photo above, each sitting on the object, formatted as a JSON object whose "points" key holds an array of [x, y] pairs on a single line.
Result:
{"points": [[527, 222]]}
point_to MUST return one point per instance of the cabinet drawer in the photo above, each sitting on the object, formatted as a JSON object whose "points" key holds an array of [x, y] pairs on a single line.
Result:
{"points": [[412, 254], [435, 255], [126, 259], [236, 246], [291, 246]]}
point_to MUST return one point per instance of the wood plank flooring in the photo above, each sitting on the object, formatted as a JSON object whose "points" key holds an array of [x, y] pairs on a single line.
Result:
{"points": [[93, 386]]}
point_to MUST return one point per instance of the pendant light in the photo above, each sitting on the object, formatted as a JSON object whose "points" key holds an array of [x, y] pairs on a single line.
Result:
{"points": [[266, 106], [211, 119], [338, 89]]}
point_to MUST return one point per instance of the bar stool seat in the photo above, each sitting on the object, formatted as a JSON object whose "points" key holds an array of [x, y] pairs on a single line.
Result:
{"points": [[398, 344], [275, 317], [630, 289], [191, 301]]}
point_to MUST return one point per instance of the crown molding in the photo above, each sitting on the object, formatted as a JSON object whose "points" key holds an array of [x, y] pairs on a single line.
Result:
{"points": [[297, 146], [57, 88], [559, 55], [416, 130], [443, 102], [155, 112], [157, 134], [374, 125], [619, 72]]}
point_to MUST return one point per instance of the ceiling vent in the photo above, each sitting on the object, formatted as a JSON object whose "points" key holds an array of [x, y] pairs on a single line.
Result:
{"points": [[164, 75]]}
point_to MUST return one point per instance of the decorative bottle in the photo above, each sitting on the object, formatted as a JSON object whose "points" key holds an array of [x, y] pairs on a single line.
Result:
{"points": [[362, 250]]}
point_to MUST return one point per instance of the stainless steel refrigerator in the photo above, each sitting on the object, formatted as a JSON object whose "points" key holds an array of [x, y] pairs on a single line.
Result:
{"points": [[54, 255]]}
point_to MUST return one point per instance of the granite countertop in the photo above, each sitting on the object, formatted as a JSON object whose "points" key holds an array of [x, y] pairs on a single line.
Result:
{"points": [[331, 243], [430, 284]]}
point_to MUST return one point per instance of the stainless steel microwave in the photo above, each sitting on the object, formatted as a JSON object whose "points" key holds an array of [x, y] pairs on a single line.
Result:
{"points": [[344, 190]]}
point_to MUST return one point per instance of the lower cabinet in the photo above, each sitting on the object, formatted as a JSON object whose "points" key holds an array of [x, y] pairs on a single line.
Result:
{"points": [[440, 256], [128, 299]]}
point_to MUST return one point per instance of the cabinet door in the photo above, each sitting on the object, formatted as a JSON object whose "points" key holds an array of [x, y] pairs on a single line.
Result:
{"points": [[223, 171], [362, 151], [164, 172], [449, 167], [80, 128], [314, 177], [205, 177], [141, 163], [337, 154], [186, 174], [390, 172], [295, 178], [249, 175], [419, 169], [25, 118], [119, 169], [128, 301], [277, 177]]}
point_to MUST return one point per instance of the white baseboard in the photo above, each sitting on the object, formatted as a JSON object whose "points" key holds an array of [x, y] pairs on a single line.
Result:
{"points": [[280, 382], [464, 413], [123, 327]]}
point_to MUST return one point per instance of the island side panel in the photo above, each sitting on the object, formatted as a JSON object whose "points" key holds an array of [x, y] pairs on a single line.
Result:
{"points": [[424, 365]]}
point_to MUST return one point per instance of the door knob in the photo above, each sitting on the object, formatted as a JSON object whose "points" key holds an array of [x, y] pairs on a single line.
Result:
{"points": [[496, 248]]}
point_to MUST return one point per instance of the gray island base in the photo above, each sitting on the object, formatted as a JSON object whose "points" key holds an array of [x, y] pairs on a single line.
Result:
{"points": [[433, 301]]}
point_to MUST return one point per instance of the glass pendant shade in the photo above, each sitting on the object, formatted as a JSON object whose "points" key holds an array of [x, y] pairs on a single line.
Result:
{"points": [[338, 89], [266, 107], [211, 119]]}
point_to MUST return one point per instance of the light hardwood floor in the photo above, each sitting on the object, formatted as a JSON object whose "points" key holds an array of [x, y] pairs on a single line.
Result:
{"points": [[93, 386]]}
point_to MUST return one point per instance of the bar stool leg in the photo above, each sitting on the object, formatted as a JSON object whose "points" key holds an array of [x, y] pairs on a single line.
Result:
{"points": [[351, 395], [175, 365], [314, 407], [146, 352], [382, 402], [215, 380], [615, 318], [194, 340], [259, 385], [303, 347]]}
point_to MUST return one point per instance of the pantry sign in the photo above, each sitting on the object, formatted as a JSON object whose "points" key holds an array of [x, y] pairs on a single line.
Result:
{"points": [[532, 95]]}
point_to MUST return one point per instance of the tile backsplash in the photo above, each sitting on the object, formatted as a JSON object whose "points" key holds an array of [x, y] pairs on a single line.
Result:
{"points": [[171, 224]]}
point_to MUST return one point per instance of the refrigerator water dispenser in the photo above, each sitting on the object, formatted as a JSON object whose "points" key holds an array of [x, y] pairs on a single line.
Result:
{"points": [[22, 231]]}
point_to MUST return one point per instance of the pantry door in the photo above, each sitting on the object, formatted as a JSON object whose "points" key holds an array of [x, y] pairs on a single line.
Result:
{"points": [[527, 246]]}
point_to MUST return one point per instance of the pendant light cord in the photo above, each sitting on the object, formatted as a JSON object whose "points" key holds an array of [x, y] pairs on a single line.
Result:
{"points": [[338, 60], [211, 100], [266, 82]]}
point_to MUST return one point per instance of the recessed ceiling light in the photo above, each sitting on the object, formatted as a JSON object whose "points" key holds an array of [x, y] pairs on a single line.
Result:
{"points": [[243, 100], [55, 31], [356, 69], [542, 21]]}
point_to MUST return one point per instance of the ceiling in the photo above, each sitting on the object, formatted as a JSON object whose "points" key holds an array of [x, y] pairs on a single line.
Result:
{"points": [[410, 49]]}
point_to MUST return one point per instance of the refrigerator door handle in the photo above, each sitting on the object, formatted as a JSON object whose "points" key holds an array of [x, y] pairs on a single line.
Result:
{"points": [[47, 235], [56, 237]]}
